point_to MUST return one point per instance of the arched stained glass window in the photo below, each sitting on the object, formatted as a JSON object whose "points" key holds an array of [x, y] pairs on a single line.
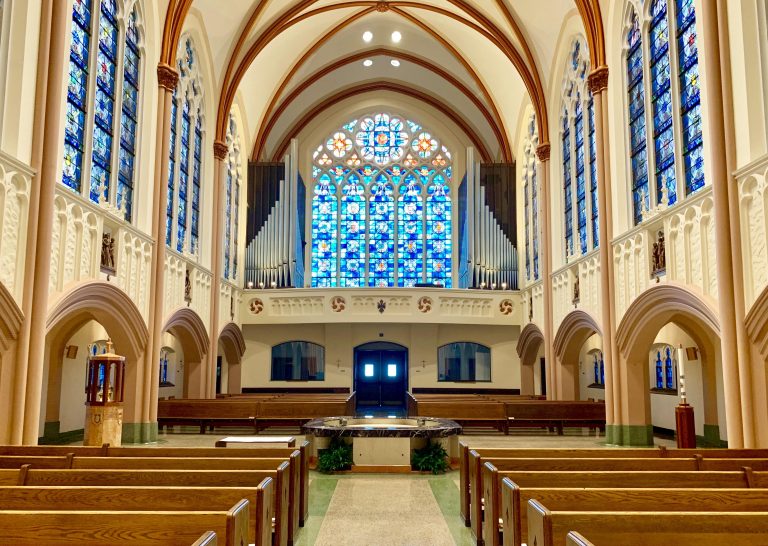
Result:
{"points": [[581, 189], [665, 364], [638, 150], [567, 193], [185, 156], [97, 69], [690, 100], [231, 210], [532, 176], [594, 212], [381, 210], [659, 371], [527, 219]]}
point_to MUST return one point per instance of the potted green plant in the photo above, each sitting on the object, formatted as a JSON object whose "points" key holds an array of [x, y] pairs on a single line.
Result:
{"points": [[431, 458], [336, 457]]}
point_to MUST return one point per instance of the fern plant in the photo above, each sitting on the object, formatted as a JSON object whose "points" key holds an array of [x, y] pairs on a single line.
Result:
{"points": [[338, 456], [431, 458]]}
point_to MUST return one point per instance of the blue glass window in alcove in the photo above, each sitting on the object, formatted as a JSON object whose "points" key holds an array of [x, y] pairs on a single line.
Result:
{"points": [[197, 162], [567, 197], [352, 232], [661, 94], [129, 117], [597, 369], [602, 369], [594, 212], [381, 245], [324, 224], [581, 190], [171, 170], [659, 371], [636, 102], [410, 228], [669, 369], [183, 194], [690, 98], [439, 236]]}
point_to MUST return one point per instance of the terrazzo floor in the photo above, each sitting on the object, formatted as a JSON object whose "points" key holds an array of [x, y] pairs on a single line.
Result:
{"points": [[393, 509]]}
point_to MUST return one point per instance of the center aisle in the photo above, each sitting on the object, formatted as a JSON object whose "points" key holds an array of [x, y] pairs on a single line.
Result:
{"points": [[386, 510]]}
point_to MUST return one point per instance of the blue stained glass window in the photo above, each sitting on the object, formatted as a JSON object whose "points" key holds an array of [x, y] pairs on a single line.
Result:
{"points": [[659, 371], [184, 149], [382, 139], [690, 99], [439, 232], [669, 369], [237, 224], [171, 169], [527, 223], [597, 369], [663, 130], [410, 242], [581, 190], [129, 118], [593, 174], [638, 151], [353, 230], [324, 226], [227, 222], [602, 369], [567, 197], [381, 246], [534, 207], [77, 93], [196, 168]]}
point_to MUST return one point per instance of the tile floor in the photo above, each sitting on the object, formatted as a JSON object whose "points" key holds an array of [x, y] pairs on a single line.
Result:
{"points": [[393, 509]]}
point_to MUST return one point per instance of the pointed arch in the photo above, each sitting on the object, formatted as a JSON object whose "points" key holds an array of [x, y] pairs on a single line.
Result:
{"points": [[233, 343], [186, 326], [529, 343], [577, 327]]}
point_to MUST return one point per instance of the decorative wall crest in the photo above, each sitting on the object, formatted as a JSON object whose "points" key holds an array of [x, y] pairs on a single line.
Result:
{"points": [[425, 304], [256, 306], [381, 306], [338, 304], [506, 307]]}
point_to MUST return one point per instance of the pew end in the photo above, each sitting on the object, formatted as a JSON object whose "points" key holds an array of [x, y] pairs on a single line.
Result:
{"points": [[208, 539], [575, 539], [265, 511]]}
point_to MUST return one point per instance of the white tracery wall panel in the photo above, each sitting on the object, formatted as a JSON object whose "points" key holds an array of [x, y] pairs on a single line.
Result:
{"points": [[15, 182], [230, 297], [561, 297], [631, 269], [532, 306], [589, 284], [134, 255], [753, 206], [197, 297]]}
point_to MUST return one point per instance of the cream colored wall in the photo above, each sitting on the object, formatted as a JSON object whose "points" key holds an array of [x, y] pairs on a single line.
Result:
{"points": [[175, 368], [586, 369], [339, 340]]}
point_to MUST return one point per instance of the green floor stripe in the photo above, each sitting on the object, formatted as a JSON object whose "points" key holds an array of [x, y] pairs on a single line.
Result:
{"points": [[321, 491], [446, 494]]}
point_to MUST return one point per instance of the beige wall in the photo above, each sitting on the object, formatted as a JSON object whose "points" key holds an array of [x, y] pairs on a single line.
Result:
{"points": [[422, 341], [587, 369]]}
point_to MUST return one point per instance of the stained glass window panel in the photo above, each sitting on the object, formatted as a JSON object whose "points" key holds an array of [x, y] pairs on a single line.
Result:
{"points": [[581, 190], [184, 150], [636, 106], [171, 171], [567, 197], [439, 237], [535, 220], [352, 233], [593, 174], [381, 246], [324, 227], [128, 119], [527, 223], [410, 240], [196, 168], [227, 222], [382, 139]]}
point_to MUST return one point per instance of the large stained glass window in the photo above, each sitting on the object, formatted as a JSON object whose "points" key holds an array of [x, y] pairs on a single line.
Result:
{"points": [[231, 212], [567, 193], [527, 220], [594, 212], [381, 210], [98, 109], [690, 95], [185, 156], [530, 162], [581, 189], [638, 149], [661, 91]]}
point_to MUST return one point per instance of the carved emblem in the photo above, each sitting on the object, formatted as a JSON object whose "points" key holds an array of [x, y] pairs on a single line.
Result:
{"points": [[381, 306], [108, 253], [256, 306], [425, 304], [338, 304], [187, 288], [381, 7], [506, 307], [659, 257]]}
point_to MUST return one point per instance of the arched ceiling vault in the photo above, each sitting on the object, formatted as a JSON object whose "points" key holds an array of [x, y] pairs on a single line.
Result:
{"points": [[506, 27]]}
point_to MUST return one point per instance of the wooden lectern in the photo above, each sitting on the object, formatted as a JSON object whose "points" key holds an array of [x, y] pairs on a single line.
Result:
{"points": [[104, 399]]}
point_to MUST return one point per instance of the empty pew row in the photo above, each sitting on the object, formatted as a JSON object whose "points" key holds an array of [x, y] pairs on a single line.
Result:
{"points": [[514, 503], [470, 467], [143, 498], [284, 529], [135, 528], [32, 454], [551, 528]]}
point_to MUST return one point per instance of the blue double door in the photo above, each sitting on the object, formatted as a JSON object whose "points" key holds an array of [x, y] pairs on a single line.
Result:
{"points": [[381, 377]]}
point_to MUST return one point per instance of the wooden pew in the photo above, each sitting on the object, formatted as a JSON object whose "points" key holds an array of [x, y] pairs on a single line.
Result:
{"points": [[514, 503], [470, 468], [575, 539], [207, 413], [555, 414], [144, 528], [208, 539], [174, 499], [284, 529], [550, 528], [485, 513]]}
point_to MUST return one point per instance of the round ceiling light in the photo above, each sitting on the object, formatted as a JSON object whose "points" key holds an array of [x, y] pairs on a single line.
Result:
{"points": [[395, 63], [367, 63], [367, 36], [396, 36]]}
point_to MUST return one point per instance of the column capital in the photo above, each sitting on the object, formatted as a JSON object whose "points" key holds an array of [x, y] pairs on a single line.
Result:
{"points": [[543, 150], [220, 150], [598, 80], [167, 76]]}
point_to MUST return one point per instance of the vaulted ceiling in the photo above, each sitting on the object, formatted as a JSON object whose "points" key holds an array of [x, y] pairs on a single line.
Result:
{"points": [[477, 61]]}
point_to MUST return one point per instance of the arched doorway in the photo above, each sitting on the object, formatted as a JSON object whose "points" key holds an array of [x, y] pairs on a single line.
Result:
{"points": [[575, 330], [187, 327], [381, 378], [231, 351], [530, 349]]}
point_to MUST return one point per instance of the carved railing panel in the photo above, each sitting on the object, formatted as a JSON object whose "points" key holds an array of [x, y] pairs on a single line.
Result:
{"points": [[15, 184], [753, 207]]}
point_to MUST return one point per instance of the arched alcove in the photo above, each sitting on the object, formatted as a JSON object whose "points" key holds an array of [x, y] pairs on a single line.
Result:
{"points": [[187, 327], [232, 349], [577, 327], [529, 345]]}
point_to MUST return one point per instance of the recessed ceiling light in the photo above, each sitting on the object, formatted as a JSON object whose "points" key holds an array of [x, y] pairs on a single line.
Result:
{"points": [[396, 36], [395, 63], [367, 62], [367, 36]]}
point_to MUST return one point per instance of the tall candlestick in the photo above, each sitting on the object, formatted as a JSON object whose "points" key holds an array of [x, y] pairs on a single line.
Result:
{"points": [[681, 370]]}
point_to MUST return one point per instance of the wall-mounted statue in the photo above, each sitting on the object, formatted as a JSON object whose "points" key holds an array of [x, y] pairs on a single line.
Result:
{"points": [[187, 288], [658, 258], [576, 292], [108, 253]]}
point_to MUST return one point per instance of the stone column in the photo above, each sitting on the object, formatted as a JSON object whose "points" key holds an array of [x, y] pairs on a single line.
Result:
{"points": [[598, 85], [146, 429], [28, 378], [734, 341], [220, 151], [542, 152]]}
